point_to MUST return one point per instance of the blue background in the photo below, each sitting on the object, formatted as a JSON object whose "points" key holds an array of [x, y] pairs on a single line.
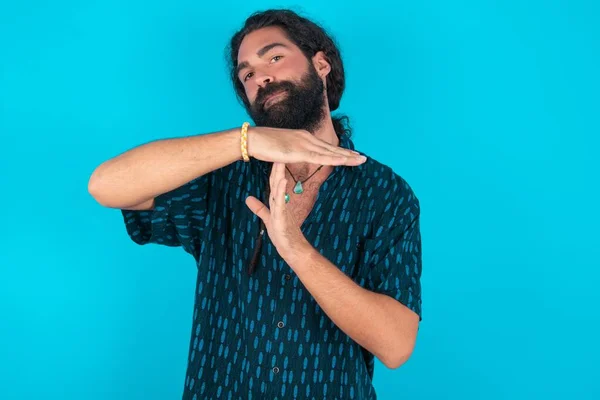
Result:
{"points": [[489, 109]]}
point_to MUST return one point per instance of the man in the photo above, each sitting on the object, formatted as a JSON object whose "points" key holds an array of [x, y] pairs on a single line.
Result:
{"points": [[308, 256]]}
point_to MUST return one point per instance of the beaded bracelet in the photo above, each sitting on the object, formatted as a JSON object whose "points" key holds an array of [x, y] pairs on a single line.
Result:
{"points": [[244, 141]]}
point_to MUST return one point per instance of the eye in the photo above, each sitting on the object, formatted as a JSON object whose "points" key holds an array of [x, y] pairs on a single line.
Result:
{"points": [[274, 59]]}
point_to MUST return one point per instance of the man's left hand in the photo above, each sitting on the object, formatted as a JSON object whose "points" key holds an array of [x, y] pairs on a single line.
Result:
{"points": [[281, 225]]}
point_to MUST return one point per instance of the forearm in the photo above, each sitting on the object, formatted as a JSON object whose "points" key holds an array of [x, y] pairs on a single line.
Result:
{"points": [[151, 169], [377, 322]]}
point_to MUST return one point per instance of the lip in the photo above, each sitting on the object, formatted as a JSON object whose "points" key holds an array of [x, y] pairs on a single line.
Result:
{"points": [[273, 97]]}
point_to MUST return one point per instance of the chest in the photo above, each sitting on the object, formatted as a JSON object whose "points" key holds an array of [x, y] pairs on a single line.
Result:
{"points": [[300, 205]]}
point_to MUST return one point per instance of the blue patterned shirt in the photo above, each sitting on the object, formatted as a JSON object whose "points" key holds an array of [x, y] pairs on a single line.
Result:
{"points": [[263, 336]]}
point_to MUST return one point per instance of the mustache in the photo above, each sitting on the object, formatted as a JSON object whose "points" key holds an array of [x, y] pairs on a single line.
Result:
{"points": [[263, 93]]}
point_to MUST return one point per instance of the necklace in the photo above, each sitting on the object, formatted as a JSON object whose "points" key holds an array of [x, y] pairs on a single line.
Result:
{"points": [[298, 187]]}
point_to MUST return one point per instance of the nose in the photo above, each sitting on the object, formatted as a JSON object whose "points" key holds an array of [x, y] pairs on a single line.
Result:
{"points": [[263, 79]]}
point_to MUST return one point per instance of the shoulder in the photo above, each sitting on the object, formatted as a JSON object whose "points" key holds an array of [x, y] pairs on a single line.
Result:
{"points": [[391, 186], [394, 197]]}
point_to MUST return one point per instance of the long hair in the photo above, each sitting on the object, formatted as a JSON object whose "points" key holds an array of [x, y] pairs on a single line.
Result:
{"points": [[310, 38]]}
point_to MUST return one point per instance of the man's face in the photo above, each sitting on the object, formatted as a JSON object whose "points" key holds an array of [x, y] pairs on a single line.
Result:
{"points": [[282, 86]]}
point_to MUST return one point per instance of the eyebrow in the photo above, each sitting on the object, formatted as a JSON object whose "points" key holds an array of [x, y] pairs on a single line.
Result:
{"points": [[261, 52]]}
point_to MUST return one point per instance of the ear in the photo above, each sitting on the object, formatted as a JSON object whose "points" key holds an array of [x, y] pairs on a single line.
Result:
{"points": [[321, 64]]}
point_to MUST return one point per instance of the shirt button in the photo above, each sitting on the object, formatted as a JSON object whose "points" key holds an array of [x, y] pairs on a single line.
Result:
{"points": [[280, 324], [276, 370], [288, 277]]}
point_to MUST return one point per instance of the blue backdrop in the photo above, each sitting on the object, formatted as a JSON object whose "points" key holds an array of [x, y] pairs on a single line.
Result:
{"points": [[489, 109]]}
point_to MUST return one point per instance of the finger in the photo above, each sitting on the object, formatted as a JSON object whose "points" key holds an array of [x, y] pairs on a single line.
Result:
{"points": [[280, 179], [331, 159], [273, 169], [274, 178], [280, 174], [273, 185], [283, 169], [328, 146], [327, 149], [350, 157], [279, 199], [339, 150], [258, 208], [356, 160]]}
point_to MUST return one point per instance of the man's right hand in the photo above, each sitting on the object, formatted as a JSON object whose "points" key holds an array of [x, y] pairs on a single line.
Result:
{"points": [[296, 146]]}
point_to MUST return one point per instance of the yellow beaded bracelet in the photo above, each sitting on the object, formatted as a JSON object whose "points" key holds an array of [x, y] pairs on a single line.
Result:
{"points": [[244, 143]]}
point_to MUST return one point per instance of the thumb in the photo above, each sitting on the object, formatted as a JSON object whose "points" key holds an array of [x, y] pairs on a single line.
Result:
{"points": [[258, 208]]}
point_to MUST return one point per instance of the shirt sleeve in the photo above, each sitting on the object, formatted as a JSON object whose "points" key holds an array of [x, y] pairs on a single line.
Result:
{"points": [[392, 256], [179, 217]]}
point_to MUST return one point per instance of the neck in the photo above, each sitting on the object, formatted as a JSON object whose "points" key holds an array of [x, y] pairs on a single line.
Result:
{"points": [[326, 133]]}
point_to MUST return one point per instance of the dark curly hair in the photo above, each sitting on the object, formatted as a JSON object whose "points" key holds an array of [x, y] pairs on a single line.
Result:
{"points": [[310, 38]]}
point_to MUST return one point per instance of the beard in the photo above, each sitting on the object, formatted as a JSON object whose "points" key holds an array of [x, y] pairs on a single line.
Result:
{"points": [[300, 108]]}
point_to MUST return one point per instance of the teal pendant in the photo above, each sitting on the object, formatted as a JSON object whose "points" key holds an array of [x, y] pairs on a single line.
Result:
{"points": [[287, 198], [298, 188]]}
